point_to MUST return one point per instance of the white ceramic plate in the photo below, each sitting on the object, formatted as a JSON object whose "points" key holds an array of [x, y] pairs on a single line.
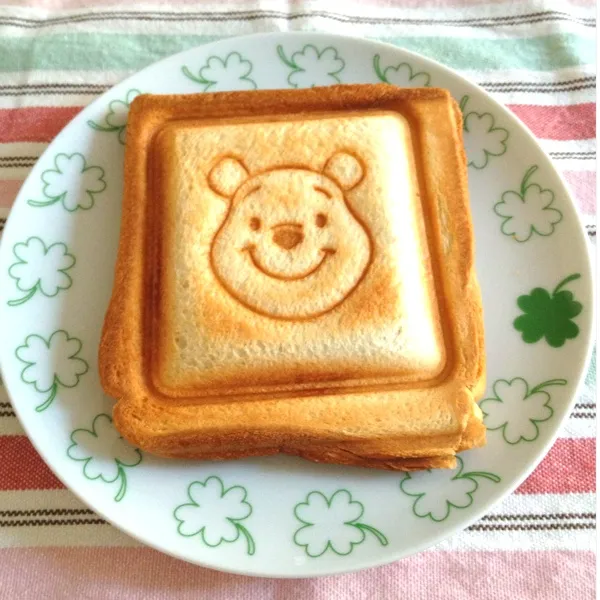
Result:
{"points": [[283, 516]]}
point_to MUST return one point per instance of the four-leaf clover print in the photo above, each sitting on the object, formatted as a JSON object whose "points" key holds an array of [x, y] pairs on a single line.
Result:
{"points": [[481, 136], [104, 453], [71, 182], [40, 268], [218, 75], [332, 523], [116, 118], [549, 315], [437, 492], [528, 211], [401, 75], [311, 67], [215, 513], [51, 364], [516, 410]]}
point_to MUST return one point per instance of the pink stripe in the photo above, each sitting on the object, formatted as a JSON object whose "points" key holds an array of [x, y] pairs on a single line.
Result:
{"points": [[39, 124], [572, 122], [144, 574], [569, 467], [583, 186], [42, 124], [22, 468], [8, 192], [568, 122]]}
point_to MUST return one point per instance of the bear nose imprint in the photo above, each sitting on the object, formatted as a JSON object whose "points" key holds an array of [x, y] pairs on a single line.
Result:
{"points": [[288, 236]]}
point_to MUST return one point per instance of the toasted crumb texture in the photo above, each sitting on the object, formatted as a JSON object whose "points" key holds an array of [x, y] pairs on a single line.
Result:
{"points": [[295, 274]]}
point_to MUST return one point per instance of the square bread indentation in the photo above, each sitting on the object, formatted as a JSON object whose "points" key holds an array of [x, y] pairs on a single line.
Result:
{"points": [[293, 255]]}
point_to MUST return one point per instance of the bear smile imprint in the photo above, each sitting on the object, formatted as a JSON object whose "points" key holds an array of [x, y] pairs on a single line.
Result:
{"points": [[326, 253]]}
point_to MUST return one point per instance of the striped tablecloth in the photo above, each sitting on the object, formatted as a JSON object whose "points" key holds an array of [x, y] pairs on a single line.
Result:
{"points": [[538, 57]]}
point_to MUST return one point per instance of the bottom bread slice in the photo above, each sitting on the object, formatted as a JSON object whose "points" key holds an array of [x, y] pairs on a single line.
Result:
{"points": [[408, 453]]}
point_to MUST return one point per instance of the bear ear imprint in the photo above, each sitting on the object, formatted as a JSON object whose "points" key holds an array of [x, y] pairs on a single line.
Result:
{"points": [[228, 174], [345, 168]]}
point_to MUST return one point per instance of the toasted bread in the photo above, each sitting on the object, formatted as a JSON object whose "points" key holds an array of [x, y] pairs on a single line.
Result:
{"points": [[295, 274]]}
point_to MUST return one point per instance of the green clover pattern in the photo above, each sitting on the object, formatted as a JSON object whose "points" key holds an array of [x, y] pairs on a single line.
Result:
{"points": [[332, 523], [104, 453], [483, 139], [51, 364], [214, 514], [40, 268], [528, 211], [401, 75], [516, 411], [220, 74], [437, 493], [58, 185], [549, 315], [311, 67], [116, 117]]}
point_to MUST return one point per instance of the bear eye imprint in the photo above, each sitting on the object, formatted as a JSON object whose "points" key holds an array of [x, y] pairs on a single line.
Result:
{"points": [[321, 220], [255, 223]]}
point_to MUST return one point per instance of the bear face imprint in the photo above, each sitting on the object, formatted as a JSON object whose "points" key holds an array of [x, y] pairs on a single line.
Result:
{"points": [[290, 246]]}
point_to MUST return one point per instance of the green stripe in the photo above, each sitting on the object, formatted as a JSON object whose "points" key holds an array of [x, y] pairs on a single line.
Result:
{"points": [[91, 51], [96, 51], [545, 53]]}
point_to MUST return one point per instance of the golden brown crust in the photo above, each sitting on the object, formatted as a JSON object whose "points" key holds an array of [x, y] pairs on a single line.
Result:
{"points": [[383, 424]]}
